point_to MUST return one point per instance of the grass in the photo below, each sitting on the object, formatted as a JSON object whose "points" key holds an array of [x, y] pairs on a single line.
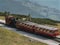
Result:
{"points": [[8, 37], [2, 17], [58, 26], [44, 21]]}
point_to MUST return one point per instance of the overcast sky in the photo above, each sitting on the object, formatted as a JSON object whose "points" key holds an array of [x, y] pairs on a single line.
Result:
{"points": [[49, 3]]}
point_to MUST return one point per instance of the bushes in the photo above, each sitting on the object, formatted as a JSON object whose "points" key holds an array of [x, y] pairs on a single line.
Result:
{"points": [[43, 21], [36, 20]]}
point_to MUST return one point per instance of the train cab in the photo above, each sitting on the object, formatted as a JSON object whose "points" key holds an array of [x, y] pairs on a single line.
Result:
{"points": [[9, 19]]}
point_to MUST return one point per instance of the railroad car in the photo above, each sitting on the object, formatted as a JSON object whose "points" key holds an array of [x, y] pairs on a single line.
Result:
{"points": [[33, 27]]}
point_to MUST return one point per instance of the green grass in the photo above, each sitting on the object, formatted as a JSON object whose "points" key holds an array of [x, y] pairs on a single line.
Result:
{"points": [[8, 37], [44, 21]]}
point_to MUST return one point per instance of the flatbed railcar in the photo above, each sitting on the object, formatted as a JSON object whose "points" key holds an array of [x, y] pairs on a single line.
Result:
{"points": [[33, 27]]}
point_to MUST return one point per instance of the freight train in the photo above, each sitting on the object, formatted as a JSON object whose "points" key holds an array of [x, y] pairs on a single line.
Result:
{"points": [[32, 27]]}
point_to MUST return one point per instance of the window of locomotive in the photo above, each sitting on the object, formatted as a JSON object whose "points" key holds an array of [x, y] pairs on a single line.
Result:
{"points": [[37, 28], [19, 23], [47, 30], [44, 29], [27, 25], [55, 31], [22, 23], [30, 26], [41, 29], [33, 26], [51, 31]]}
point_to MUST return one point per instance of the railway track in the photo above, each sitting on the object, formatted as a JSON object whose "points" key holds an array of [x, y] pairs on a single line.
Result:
{"points": [[56, 41], [39, 38]]}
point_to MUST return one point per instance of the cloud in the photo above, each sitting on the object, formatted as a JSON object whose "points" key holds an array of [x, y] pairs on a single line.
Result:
{"points": [[49, 3]]}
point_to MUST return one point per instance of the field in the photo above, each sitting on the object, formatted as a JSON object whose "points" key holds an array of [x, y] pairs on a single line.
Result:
{"points": [[8, 37], [2, 17]]}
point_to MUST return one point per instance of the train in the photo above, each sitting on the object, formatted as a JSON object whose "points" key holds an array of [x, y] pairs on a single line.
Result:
{"points": [[32, 27]]}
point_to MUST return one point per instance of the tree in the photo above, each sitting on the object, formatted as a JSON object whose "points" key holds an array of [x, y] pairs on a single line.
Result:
{"points": [[6, 13]]}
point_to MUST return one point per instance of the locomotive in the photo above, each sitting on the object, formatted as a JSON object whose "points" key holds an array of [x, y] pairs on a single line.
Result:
{"points": [[32, 27]]}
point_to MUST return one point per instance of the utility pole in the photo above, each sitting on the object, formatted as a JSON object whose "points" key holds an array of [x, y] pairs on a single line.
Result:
{"points": [[8, 13], [29, 17]]}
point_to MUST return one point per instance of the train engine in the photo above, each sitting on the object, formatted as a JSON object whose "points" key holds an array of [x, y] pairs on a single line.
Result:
{"points": [[33, 27], [10, 20]]}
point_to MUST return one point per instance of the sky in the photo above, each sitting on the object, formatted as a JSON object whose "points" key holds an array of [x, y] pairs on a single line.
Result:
{"points": [[49, 3]]}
